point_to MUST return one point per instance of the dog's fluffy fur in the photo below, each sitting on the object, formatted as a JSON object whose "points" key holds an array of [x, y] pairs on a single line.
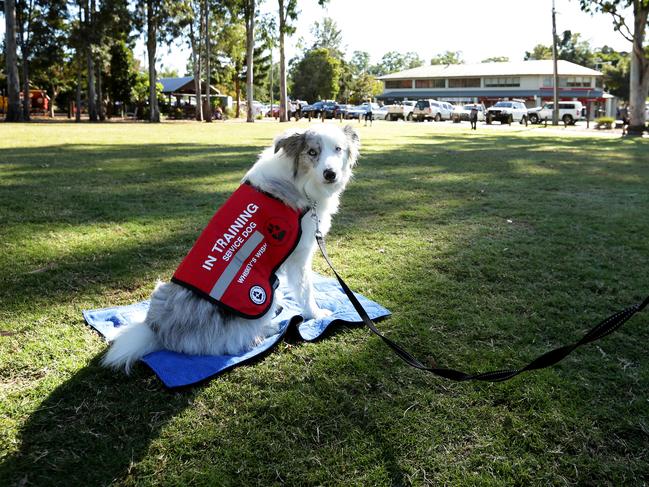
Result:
{"points": [[314, 165]]}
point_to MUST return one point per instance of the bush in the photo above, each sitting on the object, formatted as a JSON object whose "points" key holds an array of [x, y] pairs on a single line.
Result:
{"points": [[604, 122]]}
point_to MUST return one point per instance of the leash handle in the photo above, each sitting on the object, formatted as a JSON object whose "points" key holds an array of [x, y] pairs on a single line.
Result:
{"points": [[602, 329]]}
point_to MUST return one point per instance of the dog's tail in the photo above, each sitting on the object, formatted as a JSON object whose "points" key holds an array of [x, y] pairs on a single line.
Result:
{"points": [[132, 343]]}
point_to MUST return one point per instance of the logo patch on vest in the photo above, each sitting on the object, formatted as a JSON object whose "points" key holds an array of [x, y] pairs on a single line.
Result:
{"points": [[233, 262], [257, 295]]}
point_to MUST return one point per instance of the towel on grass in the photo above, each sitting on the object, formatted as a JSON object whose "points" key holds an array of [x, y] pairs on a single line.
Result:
{"points": [[177, 369]]}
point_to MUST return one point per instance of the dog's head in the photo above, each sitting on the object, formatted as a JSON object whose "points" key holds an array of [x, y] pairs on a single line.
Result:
{"points": [[323, 157]]}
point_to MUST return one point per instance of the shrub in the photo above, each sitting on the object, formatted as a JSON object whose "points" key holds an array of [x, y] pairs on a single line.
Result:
{"points": [[604, 122]]}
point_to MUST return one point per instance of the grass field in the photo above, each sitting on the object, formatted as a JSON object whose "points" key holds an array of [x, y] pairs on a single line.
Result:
{"points": [[488, 247]]}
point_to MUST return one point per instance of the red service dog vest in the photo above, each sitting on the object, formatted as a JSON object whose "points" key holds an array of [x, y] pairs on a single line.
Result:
{"points": [[233, 262]]}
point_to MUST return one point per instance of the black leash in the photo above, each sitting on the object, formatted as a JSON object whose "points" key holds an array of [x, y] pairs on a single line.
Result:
{"points": [[606, 327]]}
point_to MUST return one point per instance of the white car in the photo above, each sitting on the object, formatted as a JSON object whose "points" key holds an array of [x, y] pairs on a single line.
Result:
{"points": [[432, 110], [507, 112], [569, 112], [462, 112], [380, 113], [401, 111]]}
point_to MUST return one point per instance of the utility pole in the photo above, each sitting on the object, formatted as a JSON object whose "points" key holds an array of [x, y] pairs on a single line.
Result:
{"points": [[555, 91]]}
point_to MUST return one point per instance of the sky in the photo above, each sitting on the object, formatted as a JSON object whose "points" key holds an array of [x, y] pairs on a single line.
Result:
{"points": [[479, 29]]}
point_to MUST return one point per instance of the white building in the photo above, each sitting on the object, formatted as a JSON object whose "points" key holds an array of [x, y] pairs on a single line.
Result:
{"points": [[531, 81]]}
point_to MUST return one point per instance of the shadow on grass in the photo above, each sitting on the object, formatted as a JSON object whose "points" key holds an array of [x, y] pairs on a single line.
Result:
{"points": [[96, 427]]}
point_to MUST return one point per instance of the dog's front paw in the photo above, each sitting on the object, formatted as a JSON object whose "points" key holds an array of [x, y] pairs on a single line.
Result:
{"points": [[318, 314]]}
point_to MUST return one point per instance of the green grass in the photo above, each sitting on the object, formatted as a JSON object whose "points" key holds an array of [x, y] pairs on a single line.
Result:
{"points": [[488, 247]]}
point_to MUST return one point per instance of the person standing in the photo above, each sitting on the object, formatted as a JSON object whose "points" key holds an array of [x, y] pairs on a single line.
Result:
{"points": [[368, 114], [473, 117]]}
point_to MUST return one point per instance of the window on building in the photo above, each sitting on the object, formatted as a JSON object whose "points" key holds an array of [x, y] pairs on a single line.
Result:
{"points": [[578, 81], [568, 82], [502, 82], [398, 83], [430, 83], [464, 83]]}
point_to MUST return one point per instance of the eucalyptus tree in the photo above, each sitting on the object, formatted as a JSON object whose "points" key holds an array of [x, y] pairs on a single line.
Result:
{"points": [[249, 10], [14, 113], [288, 13], [635, 33]]}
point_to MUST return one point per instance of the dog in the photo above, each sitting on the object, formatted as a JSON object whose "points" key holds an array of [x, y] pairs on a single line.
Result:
{"points": [[304, 169]]}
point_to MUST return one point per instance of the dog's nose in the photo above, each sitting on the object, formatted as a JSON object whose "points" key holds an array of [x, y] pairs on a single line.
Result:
{"points": [[329, 175]]}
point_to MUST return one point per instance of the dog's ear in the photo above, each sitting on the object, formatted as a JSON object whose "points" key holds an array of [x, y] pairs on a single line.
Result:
{"points": [[292, 144], [354, 142]]}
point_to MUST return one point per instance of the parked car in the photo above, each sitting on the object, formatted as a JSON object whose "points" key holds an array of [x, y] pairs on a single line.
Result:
{"points": [[292, 108], [258, 108], [401, 111], [380, 114], [462, 112], [432, 110], [344, 108], [359, 111], [507, 112], [569, 112], [330, 109]]}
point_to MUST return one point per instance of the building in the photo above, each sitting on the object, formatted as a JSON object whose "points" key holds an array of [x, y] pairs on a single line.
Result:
{"points": [[531, 81], [184, 90]]}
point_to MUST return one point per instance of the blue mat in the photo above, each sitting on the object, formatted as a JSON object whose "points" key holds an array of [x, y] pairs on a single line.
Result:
{"points": [[177, 369]]}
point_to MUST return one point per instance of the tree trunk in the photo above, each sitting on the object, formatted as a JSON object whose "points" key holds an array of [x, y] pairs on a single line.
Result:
{"points": [[55, 93], [639, 75], [14, 113], [208, 106], [77, 115], [90, 65], [92, 105], [196, 61], [283, 102], [237, 89], [250, 44], [27, 100], [151, 37], [100, 97]]}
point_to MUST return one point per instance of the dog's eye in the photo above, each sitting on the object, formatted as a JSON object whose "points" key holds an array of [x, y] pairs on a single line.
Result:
{"points": [[338, 149], [312, 152]]}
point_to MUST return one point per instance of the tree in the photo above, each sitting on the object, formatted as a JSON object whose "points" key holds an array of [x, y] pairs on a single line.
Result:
{"points": [[230, 52], [316, 75], [288, 13], [190, 19], [156, 15], [365, 86], [572, 48], [249, 15], [639, 69], [496, 59], [360, 62], [14, 113], [539, 52], [121, 77], [615, 66], [393, 61], [448, 57], [328, 36]]}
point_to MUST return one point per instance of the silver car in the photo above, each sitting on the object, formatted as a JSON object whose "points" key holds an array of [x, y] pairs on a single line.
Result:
{"points": [[432, 110]]}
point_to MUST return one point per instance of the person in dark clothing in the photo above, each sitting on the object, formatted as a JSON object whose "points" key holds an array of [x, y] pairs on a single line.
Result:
{"points": [[368, 114], [473, 117]]}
